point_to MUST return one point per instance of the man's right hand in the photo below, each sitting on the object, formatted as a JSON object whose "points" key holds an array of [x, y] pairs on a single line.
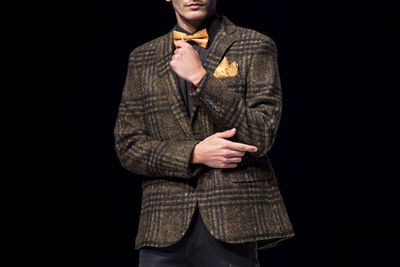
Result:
{"points": [[217, 152]]}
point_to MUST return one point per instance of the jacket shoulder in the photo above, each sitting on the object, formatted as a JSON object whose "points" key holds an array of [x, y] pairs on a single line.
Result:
{"points": [[253, 36], [149, 45], [146, 52]]}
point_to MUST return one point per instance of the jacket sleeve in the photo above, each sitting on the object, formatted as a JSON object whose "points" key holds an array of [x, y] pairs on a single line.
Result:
{"points": [[255, 116], [137, 151]]}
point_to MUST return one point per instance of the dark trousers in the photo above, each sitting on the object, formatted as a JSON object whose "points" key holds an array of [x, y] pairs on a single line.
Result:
{"points": [[198, 248]]}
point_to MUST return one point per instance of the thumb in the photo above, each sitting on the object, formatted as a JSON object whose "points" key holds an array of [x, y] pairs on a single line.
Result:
{"points": [[227, 133]]}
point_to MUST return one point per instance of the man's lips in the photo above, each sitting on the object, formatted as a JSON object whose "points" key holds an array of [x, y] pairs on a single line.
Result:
{"points": [[195, 5]]}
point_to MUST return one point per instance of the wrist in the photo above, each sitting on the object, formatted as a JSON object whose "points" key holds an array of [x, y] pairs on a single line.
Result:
{"points": [[198, 76], [195, 155]]}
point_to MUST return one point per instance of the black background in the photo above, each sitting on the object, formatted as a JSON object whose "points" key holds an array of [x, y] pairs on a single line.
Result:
{"points": [[334, 155]]}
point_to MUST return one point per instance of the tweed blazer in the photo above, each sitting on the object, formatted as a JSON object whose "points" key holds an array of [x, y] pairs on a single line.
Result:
{"points": [[154, 139]]}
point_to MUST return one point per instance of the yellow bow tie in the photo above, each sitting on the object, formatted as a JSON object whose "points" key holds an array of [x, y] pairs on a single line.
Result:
{"points": [[200, 37]]}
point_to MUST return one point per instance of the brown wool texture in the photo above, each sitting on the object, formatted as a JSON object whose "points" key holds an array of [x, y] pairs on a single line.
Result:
{"points": [[154, 139]]}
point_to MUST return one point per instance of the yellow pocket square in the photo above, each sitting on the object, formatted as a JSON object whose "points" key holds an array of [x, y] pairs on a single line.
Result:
{"points": [[224, 69]]}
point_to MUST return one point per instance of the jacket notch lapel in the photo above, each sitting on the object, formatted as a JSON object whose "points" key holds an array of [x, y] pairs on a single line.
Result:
{"points": [[169, 80], [222, 41], [224, 38]]}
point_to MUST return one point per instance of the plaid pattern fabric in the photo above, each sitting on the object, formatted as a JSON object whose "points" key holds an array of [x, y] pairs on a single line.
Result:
{"points": [[154, 138]]}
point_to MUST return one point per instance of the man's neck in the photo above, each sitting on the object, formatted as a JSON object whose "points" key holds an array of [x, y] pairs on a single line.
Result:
{"points": [[193, 26]]}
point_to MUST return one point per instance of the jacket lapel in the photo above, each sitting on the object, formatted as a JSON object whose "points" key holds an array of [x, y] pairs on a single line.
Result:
{"points": [[222, 41], [168, 78]]}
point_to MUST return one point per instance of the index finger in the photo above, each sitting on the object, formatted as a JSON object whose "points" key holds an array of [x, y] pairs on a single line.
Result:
{"points": [[180, 43], [240, 147]]}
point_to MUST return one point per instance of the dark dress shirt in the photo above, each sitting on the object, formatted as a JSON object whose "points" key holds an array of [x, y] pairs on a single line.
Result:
{"points": [[212, 27]]}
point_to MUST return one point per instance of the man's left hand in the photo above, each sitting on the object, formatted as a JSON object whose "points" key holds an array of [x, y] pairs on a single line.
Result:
{"points": [[186, 63]]}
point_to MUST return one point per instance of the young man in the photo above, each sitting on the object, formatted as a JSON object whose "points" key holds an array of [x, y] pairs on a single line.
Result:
{"points": [[199, 112]]}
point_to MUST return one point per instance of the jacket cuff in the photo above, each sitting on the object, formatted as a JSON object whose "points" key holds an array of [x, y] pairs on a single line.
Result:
{"points": [[184, 153], [206, 92]]}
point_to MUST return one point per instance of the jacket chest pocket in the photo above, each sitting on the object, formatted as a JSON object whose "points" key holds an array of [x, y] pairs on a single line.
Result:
{"points": [[235, 84]]}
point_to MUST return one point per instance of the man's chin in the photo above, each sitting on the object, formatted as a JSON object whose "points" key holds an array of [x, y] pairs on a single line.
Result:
{"points": [[196, 16]]}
